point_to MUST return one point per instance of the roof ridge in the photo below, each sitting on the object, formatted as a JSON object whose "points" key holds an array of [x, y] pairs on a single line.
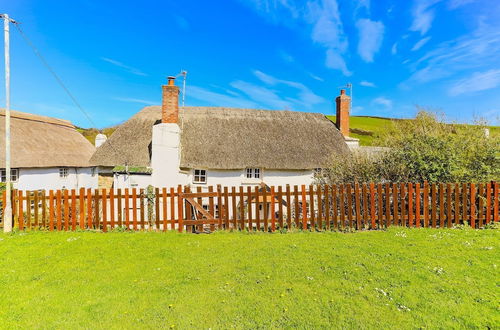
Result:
{"points": [[38, 118]]}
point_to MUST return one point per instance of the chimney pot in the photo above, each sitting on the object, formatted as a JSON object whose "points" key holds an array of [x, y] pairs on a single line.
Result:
{"points": [[171, 80], [342, 92]]}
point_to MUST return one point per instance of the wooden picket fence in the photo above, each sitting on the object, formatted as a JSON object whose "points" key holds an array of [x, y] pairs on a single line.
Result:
{"points": [[261, 208]]}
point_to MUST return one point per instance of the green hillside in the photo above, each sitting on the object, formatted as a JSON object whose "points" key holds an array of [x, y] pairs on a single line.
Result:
{"points": [[366, 128]]}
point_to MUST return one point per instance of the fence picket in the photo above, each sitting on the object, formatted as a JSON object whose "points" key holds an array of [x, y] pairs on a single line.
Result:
{"points": [[273, 211], [296, 205], [357, 201], [395, 204], [388, 205], [119, 207], [465, 199], [59, 210], [304, 208], [320, 207], [134, 208], [27, 220], [488, 203], [441, 205], [288, 208], [426, 204], [81, 200], [172, 209], [417, 205], [180, 209], [112, 208], [104, 210], [312, 218], [44, 210], [234, 208], [496, 201], [472, 205], [349, 205], [334, 207], [380, 206], [21, 212], [480, 210], [410, 205], [280, 207], [73, 209], [127, 209], [249, 208], [36, 209], [327, 207], [434, 205], [457, 204], [448, 205]]}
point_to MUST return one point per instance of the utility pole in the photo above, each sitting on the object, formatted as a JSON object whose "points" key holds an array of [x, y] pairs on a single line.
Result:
{"points": [[7, 216]]}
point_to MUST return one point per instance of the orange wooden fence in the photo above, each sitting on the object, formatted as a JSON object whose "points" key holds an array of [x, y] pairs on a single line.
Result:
{"points": [[315, 207]]}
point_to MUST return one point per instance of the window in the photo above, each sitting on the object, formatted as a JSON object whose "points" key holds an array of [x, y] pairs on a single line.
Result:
{"points": [[200, 176], [253, 173], [14, 175], [94, 171], [63, 172]]}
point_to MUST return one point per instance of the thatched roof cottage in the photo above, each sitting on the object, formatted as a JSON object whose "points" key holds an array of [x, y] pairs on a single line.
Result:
{"points": [[46, 153], [169, 145]]}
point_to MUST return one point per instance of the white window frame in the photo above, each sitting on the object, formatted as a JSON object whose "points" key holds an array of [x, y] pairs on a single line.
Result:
{"points": [[253, 173], [63, 172], [14, 175], [199, 176]]}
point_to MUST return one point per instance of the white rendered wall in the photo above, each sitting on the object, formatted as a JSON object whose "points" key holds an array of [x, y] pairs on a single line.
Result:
{"points": [[49, 179], [132, 180], [165, 158], [270, 177]]}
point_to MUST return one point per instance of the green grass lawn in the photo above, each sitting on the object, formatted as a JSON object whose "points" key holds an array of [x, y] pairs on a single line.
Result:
{"points": [[400, 278]]}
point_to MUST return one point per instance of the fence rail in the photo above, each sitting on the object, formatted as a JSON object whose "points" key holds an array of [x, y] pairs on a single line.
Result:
{"points": [[262, 208]]}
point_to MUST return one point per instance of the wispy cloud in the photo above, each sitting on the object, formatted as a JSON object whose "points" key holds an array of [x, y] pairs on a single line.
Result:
{"points": [[371, 34], [134, 100], [382, 101], [182, 23], [305, 97], [423, 15], [219, 99], [479, 81], [367, 84], [121, 65], [474, 52], [420, 43], [286, 56], [262, 95], [394, 48], [315, 77], [322, 18]]}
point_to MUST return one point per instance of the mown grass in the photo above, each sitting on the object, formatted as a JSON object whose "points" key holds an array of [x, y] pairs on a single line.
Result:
{"points": [[400, 278]]}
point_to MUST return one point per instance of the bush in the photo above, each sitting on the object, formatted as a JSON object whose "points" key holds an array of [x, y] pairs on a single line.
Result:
{"points": [[426, 148]]}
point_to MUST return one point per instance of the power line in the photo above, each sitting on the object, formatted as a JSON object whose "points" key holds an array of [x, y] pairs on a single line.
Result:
{"points": [[59, 80]]}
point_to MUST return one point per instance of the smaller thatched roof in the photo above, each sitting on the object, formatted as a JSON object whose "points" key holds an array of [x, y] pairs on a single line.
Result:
{"points": [[230, 138], [39, 141]]}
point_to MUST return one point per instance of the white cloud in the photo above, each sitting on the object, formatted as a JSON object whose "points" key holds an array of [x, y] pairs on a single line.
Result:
{"points": [[321, 16], [382, 101], [315, 77], [474, 52], [367, 84], [453, 4], [262, 95], [127, 68], [286, 57], [394, 48], [371, 34], [305, 96], [423, 15], [335, 61], [134, 100], [218, 99], [479, 81], [420, 43]]}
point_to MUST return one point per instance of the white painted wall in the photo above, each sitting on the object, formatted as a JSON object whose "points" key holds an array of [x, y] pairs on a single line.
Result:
{"points": [[49, 179], [132, 180], [165, 156]]}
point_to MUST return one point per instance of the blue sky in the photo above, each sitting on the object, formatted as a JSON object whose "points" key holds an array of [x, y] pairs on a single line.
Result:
{"points": [[269, 54]]}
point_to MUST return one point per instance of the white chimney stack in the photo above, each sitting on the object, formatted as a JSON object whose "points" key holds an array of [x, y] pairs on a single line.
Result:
{"points": [[100, 139]]}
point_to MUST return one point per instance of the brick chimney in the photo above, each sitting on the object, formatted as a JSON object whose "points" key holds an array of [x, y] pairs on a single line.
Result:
{"points": [[170, 102], [343, 106]]}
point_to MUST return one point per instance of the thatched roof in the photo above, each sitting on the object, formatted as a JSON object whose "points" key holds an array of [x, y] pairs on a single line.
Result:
{"points": [[39, 141], [229, 138]]}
